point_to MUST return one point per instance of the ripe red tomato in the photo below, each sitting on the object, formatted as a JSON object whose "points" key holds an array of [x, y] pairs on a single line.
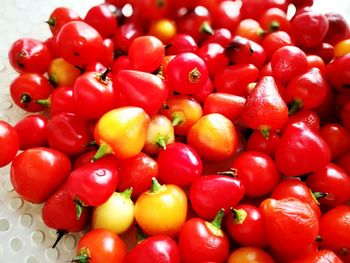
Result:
{"points": [[9, 143], [37, 173], [61, 16]]}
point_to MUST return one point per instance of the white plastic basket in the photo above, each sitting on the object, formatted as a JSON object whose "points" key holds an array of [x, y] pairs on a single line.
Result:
{"points": [[23, 236]]}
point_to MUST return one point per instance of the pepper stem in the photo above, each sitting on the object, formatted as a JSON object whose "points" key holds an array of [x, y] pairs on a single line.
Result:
{"points": [[232, 172], [103, 77], [218, 219], [78, 207], [155, 185], [319, 195], [60, 234], [194, 75], [239, 215], [140, 236], [206, 28], [25, 98], [265, 132], [161, 141], [274, 26], [296, 105], [103, 150], [177, 118], [51, 22], [45, 102], [127, 193], [83, 256]]}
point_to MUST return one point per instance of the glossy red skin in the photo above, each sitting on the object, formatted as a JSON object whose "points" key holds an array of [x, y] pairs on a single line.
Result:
{"points": [[273, 16], [120, 63], [149, 9], [301, 151], [33, 85], [205, 91], [290, 225], [250, 231], [257, 142], [337, 138], [141, 89], [181, 43], [29, 55], [309, 28], [288, 62], [301, 3], [338, 73], [344, 162], [328, 107], [79, 43], [68, 134], [309, 89], [338, 28], [274, 41], [315, 61], [158, 248], [102, 19], [334, 229], [226, 14], [61, 16], [257, 172], [345, 116], [146, 53], [231, 106], [28, 177], [83, 159], [103, 246], [61, 100], [107, 55], [324, 50], [179, 164], [89, 89], [221, 36], [242, 50], [191, 23], [94, 182], [32, 131], [124, 36], [256, 8], [234, 79], [137, 172], [309, 117], [205, 198], [334, 181], [59, 212], [179, 70], [264, 107], [295, 188], [51, 44], [197, 243], [214, 57], [320, 257], [9, 143]]}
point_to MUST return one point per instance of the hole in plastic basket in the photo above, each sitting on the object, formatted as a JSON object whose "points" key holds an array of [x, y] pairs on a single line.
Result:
{"points": [[38, 237], [69, 242], [52, 254], [6, 105], [16, 244], [4, 224], [26, 220], [16, 203], [32, 259], [7, 186]]}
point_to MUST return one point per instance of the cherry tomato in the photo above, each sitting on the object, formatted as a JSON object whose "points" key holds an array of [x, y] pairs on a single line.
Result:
{"points": [[146, 53], [28, 178], [245, 226], [290, 225], [248, 255], [206, 200], [161, 210], [141, 89], [214, 137], [274, 41], [79, 43], [179, 164], [29, 87], [29, 55], [116, 214], [333, 181], [334, 226], [157, 248], [99, 246], [9, 143], [301, 151], [337, 138], [202, 241], [275, 19], [61, 16], [137, 172], [32, 131]]}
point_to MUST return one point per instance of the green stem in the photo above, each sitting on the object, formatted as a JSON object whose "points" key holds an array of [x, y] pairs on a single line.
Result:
{"points": [[103, 150], [155, 187], [265, 132], [161, 141], [239, 215], [83, 257], [51, 22], [296, 105], [78, 207], [177, 118], [232, 172], [319, 195], [104, 76], [218, 219], [53, 80], [127, 193], [206, 28], [45, 102], [140, 236], [274, 26]]}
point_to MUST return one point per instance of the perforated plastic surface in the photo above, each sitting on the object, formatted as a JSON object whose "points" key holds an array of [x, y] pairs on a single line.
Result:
{"points": [[23, 236]]}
